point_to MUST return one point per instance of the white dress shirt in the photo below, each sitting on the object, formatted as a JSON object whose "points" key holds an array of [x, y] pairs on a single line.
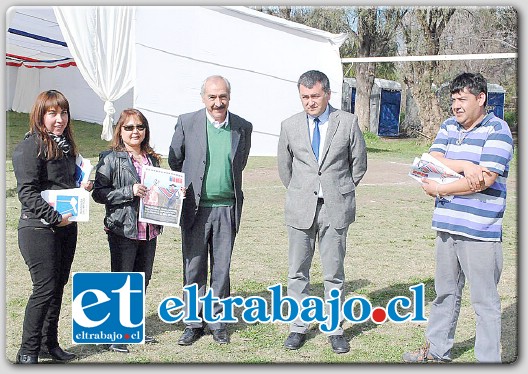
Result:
{"points": [[217, 124]]}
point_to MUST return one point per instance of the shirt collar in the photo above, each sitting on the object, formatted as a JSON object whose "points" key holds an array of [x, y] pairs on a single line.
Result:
{"points": [[217, 124], [486, 118], [144, 159], [323, 117]]}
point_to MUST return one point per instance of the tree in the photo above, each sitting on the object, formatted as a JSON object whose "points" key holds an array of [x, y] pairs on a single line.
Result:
{"points": [[421, 77], [485, 30], [414, 31], [452, 31], [365, 72], [375, 36]]}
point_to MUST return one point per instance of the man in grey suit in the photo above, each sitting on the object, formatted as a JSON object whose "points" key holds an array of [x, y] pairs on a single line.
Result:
{"points": [[321, 159], [211, 146]]}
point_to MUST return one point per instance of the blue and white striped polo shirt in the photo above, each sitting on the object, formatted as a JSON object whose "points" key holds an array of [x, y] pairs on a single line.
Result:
{"points": [[488, 144]]}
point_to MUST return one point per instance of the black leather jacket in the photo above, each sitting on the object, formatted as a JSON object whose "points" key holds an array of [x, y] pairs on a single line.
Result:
{"points": [[35, 174], [115, 175]]}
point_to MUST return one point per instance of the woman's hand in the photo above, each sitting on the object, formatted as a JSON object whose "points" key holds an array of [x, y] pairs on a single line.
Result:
{"points": [[65, 221], [139, 190], [88, 186]]}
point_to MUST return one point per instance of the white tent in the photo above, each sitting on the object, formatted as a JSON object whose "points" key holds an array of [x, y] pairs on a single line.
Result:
{"points": [[37, 59], [172, 50]]}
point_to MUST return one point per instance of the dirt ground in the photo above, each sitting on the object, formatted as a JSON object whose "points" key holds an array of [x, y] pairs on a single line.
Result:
{"points": [[377, 171]]}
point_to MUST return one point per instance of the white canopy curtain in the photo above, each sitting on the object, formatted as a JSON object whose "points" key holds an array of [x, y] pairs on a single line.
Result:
{"points": [[26, 90], [101, 40]]}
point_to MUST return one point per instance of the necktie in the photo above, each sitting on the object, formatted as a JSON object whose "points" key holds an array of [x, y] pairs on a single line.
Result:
{"points": [[316, 138]]}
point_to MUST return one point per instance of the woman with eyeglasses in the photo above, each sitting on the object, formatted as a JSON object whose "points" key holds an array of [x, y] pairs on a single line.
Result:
{"points": [[45, 160], [118, 185]]}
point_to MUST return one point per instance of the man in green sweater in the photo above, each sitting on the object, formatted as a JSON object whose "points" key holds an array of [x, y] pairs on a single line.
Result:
{"points": [[211, 146]]}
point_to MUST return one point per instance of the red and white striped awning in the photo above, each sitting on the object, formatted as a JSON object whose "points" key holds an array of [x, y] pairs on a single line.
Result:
{"points": [[34, 39]]}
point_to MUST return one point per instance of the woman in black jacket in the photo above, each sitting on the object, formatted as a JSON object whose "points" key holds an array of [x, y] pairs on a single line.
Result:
{"points": [[118, 186], [45, 160]]}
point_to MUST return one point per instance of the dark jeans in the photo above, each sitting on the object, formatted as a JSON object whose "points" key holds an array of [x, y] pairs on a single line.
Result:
{"points": [[130, 255], [48, 253]]}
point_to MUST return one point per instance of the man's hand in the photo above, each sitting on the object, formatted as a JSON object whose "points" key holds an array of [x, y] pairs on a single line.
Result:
{"points": [[430, 187], [474, 175]]}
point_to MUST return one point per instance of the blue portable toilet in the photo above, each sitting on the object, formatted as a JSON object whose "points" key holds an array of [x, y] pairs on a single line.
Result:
{"points": [[385, 101], [495, 102], [348, 97]]}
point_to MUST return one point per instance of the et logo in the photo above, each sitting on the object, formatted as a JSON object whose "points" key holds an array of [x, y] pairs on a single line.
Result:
{"points": [[108, 308]]}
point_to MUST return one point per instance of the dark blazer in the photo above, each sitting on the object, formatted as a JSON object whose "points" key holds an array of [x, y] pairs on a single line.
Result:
{"points": [[344, 162], [188, 154]]}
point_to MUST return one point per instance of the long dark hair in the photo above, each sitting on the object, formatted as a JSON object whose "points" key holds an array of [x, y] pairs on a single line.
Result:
{"points": [[45, 101], [117, 142]]}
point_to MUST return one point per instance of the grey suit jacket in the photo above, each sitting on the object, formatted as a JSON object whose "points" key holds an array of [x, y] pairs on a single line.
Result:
{"points": [[188, 154], [344, 162]]}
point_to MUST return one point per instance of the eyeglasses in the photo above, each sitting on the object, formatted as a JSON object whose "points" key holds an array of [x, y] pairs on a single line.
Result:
{"points": [[132, 127]]}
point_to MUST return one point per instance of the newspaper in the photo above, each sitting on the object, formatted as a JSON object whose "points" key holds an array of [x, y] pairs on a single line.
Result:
{"points": [[73, 200], [429, 167], [163, 202], [83, 168]]}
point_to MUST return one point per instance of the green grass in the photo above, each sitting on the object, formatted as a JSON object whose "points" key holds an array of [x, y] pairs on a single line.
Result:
{"points": [[400, 149], [390, 247]]}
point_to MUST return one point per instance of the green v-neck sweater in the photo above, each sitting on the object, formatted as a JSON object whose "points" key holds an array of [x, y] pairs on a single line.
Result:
{"points": [[217, 186]]}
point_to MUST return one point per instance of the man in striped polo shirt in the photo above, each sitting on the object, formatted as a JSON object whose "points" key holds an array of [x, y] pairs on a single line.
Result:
{"points": [[479, 146]]}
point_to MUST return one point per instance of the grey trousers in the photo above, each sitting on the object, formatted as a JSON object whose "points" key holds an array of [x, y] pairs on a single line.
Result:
{"points": [[210, 239], [458, 258], [332, 250]]}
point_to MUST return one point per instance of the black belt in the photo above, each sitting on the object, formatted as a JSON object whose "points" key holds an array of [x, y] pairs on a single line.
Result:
{"points": [[320, 200]]}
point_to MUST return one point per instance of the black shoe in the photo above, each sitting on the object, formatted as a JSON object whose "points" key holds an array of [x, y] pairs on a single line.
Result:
{"points": [[150, 339], [121, 348], [339, 343], [295, 340], [26, 359], [57, 354], [190, 335], [220, 336]]}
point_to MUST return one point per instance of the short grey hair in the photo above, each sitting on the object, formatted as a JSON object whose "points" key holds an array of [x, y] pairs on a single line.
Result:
{"points": [[228, 85], [311, 77]]}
